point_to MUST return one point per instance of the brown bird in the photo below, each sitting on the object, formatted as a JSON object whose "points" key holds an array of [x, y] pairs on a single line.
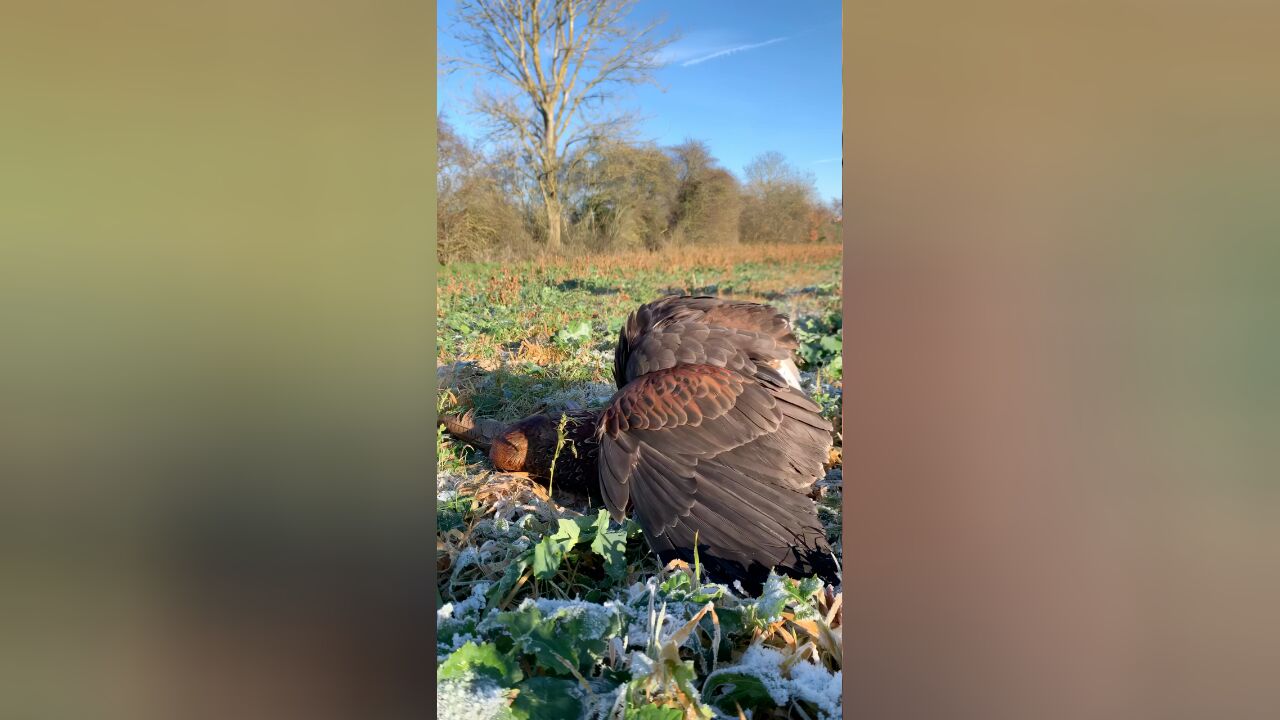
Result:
{"points": [[708, 436]]}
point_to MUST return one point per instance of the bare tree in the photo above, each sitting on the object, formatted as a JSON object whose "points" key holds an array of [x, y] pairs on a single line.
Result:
{"points": [[475, 214], [625, 197], [708, 201], [779, 202], [561, 60]]}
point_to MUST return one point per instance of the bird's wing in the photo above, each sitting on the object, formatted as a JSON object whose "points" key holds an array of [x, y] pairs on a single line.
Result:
{"points": [[752, 317], [693, 342], [701, 330], [702, 449]]}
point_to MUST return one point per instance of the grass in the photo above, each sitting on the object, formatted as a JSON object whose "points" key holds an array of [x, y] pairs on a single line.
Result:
{"points": [[549, 608]]}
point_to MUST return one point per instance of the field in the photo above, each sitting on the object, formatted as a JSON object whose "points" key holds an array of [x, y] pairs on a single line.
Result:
{"points": [[547, 608]]}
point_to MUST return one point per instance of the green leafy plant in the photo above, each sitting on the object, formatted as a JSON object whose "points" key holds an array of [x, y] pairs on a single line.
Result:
{"points": [[821, 340]]}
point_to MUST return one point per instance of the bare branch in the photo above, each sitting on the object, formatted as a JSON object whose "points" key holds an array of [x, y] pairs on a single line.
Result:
{"points": [[593, 52]]}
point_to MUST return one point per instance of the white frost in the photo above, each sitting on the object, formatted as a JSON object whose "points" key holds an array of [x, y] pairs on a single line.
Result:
{"points": [[582, 395], [473, 603], [763, 662], [641, 665], [597, 616], [808, 682], [470, 699], [814, 684]]}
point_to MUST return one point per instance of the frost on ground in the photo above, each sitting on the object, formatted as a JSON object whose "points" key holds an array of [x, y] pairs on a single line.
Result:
{"points": [[801, 681], [617, 631], [610, 636], [595, 618], [472, 698], [817, 685], [581, 396]]}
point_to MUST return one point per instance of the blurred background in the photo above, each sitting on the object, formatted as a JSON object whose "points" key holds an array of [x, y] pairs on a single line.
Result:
{"points": [[1061, 408], [216, 290]]}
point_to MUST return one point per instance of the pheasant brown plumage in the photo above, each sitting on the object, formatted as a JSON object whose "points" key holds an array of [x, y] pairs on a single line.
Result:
{"points": [[705, 438]]}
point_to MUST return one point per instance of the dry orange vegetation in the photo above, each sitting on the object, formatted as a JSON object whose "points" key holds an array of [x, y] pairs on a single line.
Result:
{"points": [[617, 282], [675, 260]]}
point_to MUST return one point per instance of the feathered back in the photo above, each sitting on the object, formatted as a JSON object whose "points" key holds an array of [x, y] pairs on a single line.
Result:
{"points": [[701, 330], [705, 439]]}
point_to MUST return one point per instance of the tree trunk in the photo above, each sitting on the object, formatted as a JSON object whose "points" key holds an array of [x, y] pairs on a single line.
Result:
{"points": [[551, 194], [553, 222]]}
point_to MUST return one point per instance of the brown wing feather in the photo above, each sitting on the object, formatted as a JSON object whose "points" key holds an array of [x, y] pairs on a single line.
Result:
{"points": [[701, 449], [751, 317], [701, 330]]}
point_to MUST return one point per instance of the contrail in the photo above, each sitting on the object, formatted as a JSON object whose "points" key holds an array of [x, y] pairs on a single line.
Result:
{"points": [[730, 51]]}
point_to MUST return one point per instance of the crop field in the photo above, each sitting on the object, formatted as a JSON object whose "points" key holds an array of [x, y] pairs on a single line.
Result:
{"points": [[546, 607]]}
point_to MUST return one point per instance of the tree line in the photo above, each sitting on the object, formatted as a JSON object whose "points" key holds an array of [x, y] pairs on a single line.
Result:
{"points": [[619, 195], [560, 170]]}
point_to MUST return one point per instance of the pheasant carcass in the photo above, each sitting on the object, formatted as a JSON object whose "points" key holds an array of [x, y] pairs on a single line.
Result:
{"points": [[709, 436]]}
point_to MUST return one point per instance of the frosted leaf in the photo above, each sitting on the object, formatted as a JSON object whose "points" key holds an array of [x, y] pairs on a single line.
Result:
{"points": [[808, 682], [764, 663], [469, 556], [813, 683], [471, 698], [773, 600], [604, 706], [474, 602], [641, 665], [596, 617]]}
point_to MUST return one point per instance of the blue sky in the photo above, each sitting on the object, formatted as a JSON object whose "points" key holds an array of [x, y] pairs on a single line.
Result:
{"points": [[745, 77]]}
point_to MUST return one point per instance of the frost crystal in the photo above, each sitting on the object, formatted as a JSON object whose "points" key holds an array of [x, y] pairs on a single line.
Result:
{"points": [[677, 615], [576, 397], [773, 600], [469, 556], [470, 698], [596, 617], [814, 684], [462, 639], [639, 590], [808, 682], [602, 706], [763, 662], [641, 665], [473, 603]]}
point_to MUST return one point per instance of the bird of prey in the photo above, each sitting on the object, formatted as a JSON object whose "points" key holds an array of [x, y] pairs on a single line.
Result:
{"points": [[709, 436]]}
